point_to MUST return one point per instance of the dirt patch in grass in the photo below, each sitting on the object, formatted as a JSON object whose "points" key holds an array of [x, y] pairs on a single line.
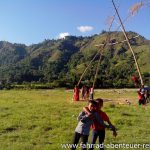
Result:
{"points": [[48, 129], [10, 129]]}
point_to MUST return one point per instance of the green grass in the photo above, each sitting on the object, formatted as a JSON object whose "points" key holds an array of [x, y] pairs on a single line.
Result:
{"points": [[44, 119]]}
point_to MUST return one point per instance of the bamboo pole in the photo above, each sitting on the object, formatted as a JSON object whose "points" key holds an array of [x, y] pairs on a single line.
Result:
{"points": [[118, 41], [97, 68], [100, 52], [87, 68], [127, 39]]}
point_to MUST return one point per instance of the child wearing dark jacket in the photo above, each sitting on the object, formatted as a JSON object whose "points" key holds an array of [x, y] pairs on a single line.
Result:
{"points": [[85, 121], [98, 131]]}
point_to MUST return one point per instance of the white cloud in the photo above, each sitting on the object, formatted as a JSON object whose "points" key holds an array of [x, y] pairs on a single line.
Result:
{"points": [[63, 35], [85, 28]]}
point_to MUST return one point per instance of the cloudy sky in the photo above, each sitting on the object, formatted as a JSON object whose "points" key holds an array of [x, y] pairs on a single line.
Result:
{"points": [[32, 21]]}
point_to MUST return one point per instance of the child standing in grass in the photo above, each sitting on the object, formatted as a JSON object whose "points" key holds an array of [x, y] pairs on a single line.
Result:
{"points": [[91, 93], [76, 92], [83, 92], [141, 95], [85, 120], [97, 129], [141, 98]]}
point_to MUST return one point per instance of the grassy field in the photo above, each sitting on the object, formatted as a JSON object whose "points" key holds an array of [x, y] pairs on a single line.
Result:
{"points": [[45, 119]]}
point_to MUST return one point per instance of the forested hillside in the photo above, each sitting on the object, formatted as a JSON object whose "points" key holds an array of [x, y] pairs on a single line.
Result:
{"points": [[61, 62]]}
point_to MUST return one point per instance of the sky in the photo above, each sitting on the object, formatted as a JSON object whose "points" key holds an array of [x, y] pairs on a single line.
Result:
{"points": [[32, 21]]}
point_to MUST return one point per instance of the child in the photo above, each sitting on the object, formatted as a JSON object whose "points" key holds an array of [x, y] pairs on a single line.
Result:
{"points": [[97, 129], [85, 121], [76, 93], [91, 93], [136, 81], [147, 96], [141, 98], [83, 92], [141, 95], [87, 92]]}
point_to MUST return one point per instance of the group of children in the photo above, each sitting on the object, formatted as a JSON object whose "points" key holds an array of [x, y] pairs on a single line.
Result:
{"points": [[92, 117], [86, 93], [143, 92]]}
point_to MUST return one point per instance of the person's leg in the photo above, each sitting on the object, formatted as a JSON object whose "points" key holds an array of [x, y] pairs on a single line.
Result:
{"points": [[143, 101], [82, 96], [76, 139], [148, 98], [84, 139], [93, 140], [140, 102], [101, 134], [91, 96]]}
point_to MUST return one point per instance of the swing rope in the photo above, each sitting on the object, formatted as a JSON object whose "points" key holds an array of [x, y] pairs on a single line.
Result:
{"points": [[101, 52], [97, 70]]}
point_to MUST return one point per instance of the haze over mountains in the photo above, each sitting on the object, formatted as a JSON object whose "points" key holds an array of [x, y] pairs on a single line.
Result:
{"points": [[61, 62]]}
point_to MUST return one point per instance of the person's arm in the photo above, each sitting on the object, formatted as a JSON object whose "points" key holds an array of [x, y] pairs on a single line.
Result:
{"points": [[109, 122], [95, 116], [113, 128], [86, 109], [100, 121], [90, 115], [82, 116]]}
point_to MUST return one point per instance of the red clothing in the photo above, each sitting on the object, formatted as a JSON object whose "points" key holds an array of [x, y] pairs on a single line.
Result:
{"points": [[103, 116], [140, 96], [76, 94], [134, 78]]}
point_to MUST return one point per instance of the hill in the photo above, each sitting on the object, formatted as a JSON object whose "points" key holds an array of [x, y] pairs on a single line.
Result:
{"points": [[61, 62]]}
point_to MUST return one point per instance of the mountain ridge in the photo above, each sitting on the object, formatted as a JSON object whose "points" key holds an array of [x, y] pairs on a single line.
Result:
{"points": [[62, 61]]}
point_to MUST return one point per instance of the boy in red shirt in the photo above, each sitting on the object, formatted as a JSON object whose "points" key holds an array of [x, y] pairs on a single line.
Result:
{"points": [[98, 130]]}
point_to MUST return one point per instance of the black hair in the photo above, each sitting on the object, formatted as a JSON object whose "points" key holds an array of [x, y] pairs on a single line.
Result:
{"points": [[92, 102], [99, 100]]}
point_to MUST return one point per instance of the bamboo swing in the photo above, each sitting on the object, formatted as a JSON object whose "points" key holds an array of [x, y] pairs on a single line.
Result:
{"points": [[128, 42], [107, 42], [100, 52]]}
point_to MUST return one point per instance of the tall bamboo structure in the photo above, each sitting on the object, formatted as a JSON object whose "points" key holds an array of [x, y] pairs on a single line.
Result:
{"points": [[128, 42]]}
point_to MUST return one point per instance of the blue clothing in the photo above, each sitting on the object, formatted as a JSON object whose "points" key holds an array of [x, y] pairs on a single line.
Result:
{"points": [[95, 135], [85, 122], [147, 88]]}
